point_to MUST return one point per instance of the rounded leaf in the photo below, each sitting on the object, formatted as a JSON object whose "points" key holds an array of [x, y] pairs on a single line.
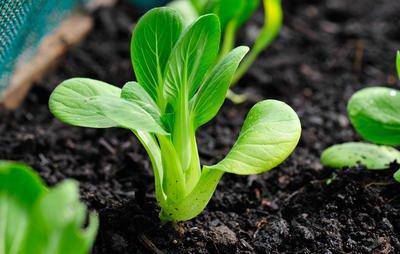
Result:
{"points": [[375, 113], [69, 102], [354, 153], [396, 175], [269, 135]]}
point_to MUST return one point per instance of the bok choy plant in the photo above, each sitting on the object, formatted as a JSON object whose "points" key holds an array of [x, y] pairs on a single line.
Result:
{"points": [[35, 219], [375, 114], [180, 86], [233, 14]]}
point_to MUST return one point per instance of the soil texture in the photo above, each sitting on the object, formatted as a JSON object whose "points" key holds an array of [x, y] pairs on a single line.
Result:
{"points": [[327, 50]]}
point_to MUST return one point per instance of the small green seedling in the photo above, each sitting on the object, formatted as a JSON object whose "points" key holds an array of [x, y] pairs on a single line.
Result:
{"points": [[233, 14], [35, 219], [375, 114], [181, 86]]}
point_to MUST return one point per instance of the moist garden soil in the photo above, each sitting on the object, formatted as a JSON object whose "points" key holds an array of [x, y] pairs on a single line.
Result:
{"points": [[327, 50]]}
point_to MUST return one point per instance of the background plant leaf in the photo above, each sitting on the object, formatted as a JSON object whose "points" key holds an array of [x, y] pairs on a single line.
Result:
{"points": [[375, 114], [398, 63], [57, 221], [226, 10], [37, 220], [354, 153], [199, 5], [269, 134], [273, 18], [20, 188], [186, 9], [249, 7], [396, 176]]}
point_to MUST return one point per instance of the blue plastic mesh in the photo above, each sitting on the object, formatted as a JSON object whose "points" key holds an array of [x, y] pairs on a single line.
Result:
{"points": [[23, 23], [148, 3]]}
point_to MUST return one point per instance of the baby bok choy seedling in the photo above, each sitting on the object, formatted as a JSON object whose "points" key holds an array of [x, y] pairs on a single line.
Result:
{"points": [[35, 219], [375, 114], [180, 86], [233, 14]]}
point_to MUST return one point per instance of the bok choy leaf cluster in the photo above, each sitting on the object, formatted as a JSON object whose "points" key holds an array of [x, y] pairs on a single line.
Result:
{"points": [[181, 85]]}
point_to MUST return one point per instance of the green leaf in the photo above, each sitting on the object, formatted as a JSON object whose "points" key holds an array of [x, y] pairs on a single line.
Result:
{"points": [[34, 220], [212, 93], [273, 20], [20, 182], [128, 114], [354, 153], [375, 113], [95, 104], [20, 188], [135, 93], [58, 220], [250, 6], [152, 42], [69, 102], [270, 133], [226, 10], [199, 5], [398, 63], [397, 176], [193, 55]]}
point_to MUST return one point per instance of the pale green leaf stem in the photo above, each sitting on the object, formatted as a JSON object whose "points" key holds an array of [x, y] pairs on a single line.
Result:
{"points": [[272, 24]]}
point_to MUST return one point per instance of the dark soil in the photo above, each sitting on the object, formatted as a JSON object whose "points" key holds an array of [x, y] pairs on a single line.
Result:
{"points": [[327, 50]]}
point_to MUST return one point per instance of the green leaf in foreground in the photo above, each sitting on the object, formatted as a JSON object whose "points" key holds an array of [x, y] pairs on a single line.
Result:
{"points": [[375, 113], [355, 153], [269, 135], [40, 221]]}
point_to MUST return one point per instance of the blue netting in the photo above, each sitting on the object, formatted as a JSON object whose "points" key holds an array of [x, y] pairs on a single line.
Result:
{"points": [[148, 3], [23, 23]]}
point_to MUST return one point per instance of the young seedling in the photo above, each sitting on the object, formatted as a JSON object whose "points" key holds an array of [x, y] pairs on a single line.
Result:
{"points": [[375, 114], [181, 86], [35, 219], [233, 14]]}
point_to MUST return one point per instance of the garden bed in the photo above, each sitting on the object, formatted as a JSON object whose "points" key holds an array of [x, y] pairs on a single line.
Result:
{"points": [[327, 50]]}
